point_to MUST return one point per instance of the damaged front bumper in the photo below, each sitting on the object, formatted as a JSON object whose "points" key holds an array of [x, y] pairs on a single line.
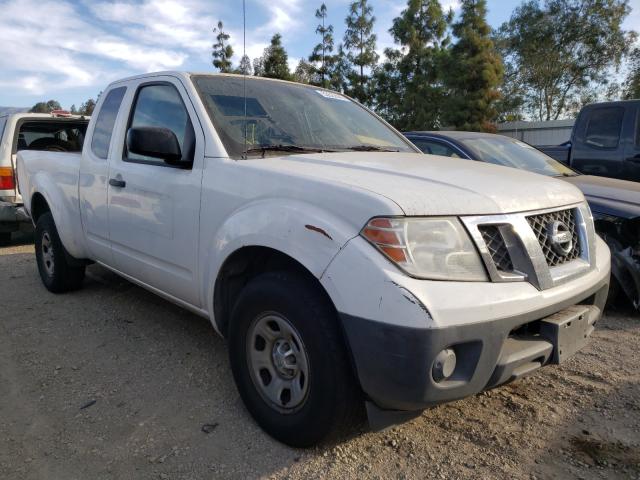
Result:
{"points": [[622, 235], [399, 329]]}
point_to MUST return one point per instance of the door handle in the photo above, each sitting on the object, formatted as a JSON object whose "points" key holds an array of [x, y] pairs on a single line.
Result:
{"points": [[114, 182]]}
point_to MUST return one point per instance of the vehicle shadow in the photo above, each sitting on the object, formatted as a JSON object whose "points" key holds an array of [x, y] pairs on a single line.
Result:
{"points": [[23, 237]]}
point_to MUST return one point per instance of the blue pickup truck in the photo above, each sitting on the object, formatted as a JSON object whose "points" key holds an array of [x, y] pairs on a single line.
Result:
{"points": [[605, 141]]}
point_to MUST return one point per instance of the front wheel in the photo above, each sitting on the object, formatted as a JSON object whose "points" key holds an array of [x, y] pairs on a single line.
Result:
{"points": [[290, 363], [5, 239], [55, 265]]}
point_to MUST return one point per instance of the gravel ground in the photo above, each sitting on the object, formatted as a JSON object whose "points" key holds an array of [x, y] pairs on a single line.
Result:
{"points": [[114, 382]]}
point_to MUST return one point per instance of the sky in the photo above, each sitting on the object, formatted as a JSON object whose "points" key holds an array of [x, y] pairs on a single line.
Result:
{"points": [[69, 50]]}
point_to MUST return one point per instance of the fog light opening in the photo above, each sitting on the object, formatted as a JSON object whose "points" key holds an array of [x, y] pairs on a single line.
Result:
{"points": [[444, 365]]}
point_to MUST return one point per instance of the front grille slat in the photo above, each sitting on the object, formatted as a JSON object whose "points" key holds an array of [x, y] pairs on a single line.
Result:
{"points": [[540, 224], [497, 247]]}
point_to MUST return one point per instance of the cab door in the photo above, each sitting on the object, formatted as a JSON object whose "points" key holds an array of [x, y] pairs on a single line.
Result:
{"points": [[632, 153], [598, 148], [154, 207], [94, 175]]}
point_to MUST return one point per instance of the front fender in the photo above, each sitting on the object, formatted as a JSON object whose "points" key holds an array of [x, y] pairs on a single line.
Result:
{"points": [[306, 233]]}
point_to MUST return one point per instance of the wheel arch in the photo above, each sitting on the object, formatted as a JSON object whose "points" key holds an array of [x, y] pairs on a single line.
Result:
{"points": [[244, 264], [248, 262], [39, 206]]}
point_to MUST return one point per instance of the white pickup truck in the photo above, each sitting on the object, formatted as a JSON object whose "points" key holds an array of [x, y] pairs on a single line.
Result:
{"points": [[345, 268], [58, 131]]}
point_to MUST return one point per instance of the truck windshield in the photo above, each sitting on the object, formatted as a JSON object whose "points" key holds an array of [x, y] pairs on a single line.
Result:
{"points": [[284, 118], [513, 153]]}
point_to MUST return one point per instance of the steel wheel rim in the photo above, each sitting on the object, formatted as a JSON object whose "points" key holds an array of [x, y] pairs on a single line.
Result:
{"points": [[47, 254], [278, 362]]}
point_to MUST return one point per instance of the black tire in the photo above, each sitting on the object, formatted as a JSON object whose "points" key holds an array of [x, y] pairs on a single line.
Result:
{"points": [[333, 403], [5, 239], [56, 266], [613, 298]]}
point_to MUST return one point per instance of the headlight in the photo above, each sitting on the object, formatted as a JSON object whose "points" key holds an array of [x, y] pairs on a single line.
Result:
{"points": [[430, 248]]}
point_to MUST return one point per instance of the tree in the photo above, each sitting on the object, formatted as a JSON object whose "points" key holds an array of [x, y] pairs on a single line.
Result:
{"points": [[417, 101], [474, 72], [561, 49], [244, 68], [73, 109], [510, 104], [386, 87], [341, 72], [258, 65], [46, 107], [323, 51], [221, 50], [632, 82], [360, 43], [87, 107], [274, 62], [305, 72]]}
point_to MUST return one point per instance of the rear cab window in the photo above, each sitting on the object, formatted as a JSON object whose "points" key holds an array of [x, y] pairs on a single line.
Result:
{"points": [[603, 127], [54, 135], [105, 122]]}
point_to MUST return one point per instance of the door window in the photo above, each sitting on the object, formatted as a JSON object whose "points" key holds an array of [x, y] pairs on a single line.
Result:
{"points": [[3, 121], [160, 105], [603, 127], [105, 122], [638, 128], [435, 148]]}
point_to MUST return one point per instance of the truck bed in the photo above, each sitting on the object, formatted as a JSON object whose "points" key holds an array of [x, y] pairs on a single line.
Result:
{"points": [[60, 173]]}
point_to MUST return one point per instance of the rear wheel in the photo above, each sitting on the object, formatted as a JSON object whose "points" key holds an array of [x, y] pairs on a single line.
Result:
{"points": [[290, 363], [55, 265]]}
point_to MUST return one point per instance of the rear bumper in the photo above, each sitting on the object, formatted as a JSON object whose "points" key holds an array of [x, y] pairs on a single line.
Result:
{"points": [[395, 363], [12, 216]]}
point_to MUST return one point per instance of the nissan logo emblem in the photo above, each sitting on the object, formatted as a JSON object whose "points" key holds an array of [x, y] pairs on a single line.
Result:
{"points": [[560, 238]]}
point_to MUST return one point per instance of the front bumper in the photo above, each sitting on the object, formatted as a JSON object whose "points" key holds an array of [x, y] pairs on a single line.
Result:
{"points": [[396, 326], [394, 363], [12, 216]]}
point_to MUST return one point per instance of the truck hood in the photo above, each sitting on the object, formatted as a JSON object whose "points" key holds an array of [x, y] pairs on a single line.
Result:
{"points": [[432, 185], [609, 195]]}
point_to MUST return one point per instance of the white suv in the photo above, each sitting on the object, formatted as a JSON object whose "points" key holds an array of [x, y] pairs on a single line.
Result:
{"points": [[57, 132]]}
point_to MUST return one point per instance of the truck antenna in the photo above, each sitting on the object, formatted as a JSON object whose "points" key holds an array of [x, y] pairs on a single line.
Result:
{"points": [[244, 73]]}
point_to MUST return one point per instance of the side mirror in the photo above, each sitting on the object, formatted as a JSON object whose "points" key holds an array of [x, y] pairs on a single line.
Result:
{"points": [[155, 142]]}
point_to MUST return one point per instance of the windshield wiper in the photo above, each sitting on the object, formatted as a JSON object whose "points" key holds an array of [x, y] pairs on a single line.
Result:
{"points": [[370, 148], [284, 148]]}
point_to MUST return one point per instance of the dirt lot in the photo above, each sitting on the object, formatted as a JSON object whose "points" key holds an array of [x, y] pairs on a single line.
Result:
{"points": [[113, 382]]}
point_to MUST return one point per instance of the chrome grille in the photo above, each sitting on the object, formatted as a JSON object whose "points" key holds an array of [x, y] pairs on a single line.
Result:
{"points": [[540, 224], [516, 247], [497, 248]]}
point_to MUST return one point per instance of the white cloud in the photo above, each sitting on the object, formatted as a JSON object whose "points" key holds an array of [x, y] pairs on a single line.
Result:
{"points": [[145, 59], [284, 16], [450, 4], [53, 44], [178, 24]]}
